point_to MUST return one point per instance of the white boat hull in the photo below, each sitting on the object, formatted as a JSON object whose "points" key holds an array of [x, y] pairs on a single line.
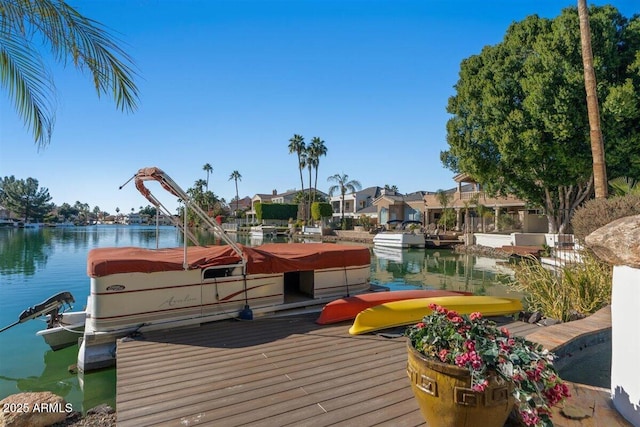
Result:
{"points": [[67, 332], [263, 230], [399, 240]]}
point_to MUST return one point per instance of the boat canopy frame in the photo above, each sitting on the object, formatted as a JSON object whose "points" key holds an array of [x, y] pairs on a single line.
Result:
{"points": [[157, 174]]}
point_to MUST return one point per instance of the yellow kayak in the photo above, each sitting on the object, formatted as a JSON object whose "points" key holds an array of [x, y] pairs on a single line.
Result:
{"points": [[407, 312]]}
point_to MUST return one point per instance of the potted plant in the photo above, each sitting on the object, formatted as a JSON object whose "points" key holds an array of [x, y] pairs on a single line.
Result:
{"points": [[467, 371]]}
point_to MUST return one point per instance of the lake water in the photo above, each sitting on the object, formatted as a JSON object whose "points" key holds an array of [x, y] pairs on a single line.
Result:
{"points": [[38, 263]]}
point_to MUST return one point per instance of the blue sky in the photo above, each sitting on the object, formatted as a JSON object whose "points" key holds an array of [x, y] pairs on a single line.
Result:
{"points": [[229, 82]]}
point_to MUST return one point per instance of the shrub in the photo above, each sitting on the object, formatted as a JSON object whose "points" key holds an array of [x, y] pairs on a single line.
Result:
{"points": [[582, 288], [275, 211], [597, 213], [321, 210]]}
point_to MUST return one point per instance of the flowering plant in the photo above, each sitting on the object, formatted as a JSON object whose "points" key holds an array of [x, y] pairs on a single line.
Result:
{"points": [[477, 344]]}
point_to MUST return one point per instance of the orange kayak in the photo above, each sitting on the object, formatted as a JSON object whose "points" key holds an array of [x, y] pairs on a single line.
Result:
{"points": [[348, 308]]}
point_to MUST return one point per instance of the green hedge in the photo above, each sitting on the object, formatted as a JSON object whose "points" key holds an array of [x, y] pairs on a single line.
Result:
{"points": [[321, 210], [275, 211]]}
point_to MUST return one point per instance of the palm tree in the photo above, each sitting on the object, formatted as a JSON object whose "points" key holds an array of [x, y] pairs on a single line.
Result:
{"points": [[316, 149], [623, 185], [208, 169], [343, 185], [393, 188], [199, 184], [69, 36], [444, 198], [296, 145], [483, 212], [235, 175], [597, 144]]}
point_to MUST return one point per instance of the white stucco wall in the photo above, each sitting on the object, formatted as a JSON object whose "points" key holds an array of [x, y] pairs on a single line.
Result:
{"points": [[625, 342], [493, 240], [528, 239]]}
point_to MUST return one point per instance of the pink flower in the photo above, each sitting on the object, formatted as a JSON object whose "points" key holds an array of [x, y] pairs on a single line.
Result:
{"points": [[433, 307], [505, 331], [452, 314], [443, 354], [420, 325], [475, 315], [462, 359], [529, 418], [480, 387], [457, 319]]}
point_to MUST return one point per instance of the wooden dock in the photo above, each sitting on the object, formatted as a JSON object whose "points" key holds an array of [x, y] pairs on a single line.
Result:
{"points": [[285, 371]]}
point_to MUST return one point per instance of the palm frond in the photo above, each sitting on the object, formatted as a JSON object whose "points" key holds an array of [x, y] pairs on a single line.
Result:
{"points": [[70, 36], [624, 185], [30, 88]]}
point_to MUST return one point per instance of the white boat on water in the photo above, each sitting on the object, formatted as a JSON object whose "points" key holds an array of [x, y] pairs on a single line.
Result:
{"points": [[263, 231], [134, 290], [401, 238]]}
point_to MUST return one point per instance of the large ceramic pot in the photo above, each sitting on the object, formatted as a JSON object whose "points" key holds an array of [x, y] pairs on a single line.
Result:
{"points": [[446, 399]]}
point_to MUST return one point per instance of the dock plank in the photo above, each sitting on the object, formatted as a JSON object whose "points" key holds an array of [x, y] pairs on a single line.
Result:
{"points": [[285, 371]]}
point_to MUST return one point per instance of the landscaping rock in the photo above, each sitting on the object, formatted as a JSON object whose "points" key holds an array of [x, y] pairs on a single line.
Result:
{"points": [[617, 242], [33, 409], [548, 321], [535, 317], [100, 416]]}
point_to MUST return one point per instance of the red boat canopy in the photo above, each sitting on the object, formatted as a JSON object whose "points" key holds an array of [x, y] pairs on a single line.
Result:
{"points": [[265, 259]]}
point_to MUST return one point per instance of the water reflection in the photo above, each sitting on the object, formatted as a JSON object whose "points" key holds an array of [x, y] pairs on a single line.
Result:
{"points": [[82, 391], [23, 251], [440, 269]]}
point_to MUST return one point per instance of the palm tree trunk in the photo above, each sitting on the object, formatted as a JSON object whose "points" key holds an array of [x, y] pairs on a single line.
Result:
{"points": [[315, 186], [309, 213], [595, 132], [237, 197], [342, 212]]}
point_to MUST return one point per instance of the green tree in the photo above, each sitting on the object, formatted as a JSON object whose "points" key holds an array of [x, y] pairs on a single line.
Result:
{"points": [[97, 213], [24, 198], [67, 212], [82, 210], [69, 36], [343, 185], [205, 199], [235, 175], [208, 169], [149, 210], [519, 119]]}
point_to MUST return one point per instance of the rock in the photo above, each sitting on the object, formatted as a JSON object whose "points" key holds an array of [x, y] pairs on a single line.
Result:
{"points": [[548, 321], [32, 409], [535, 317], [617, 242], [575, 315], [101, 409]]}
